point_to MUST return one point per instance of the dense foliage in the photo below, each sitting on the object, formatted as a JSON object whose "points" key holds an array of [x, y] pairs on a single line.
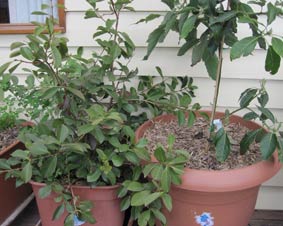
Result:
{"points": [[87, 112]]}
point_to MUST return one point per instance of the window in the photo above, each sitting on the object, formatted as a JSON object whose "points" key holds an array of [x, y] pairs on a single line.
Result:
{"points": [[15, 15]]}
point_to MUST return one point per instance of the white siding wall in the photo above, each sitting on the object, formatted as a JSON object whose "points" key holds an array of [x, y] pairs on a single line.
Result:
{"points": [[238, 75]]}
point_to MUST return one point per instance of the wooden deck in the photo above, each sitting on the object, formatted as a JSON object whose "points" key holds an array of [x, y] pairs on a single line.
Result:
{"points": [[30, 217]]}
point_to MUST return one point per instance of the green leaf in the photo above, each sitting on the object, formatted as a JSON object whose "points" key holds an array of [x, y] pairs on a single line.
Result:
{"points": [[45, 191], [247, 140], [271, 13], [156, 172], [150, 17], [4, 67], [198, 51], [277, 45], [191, 118], [117, 160], [98, 134], [142, 143], [38, 149], [268, 145], [185, 47], [148, 168], [211, 64], [49, 166], [165, 180], [27, 53], [63, 133], [4, 165], [153, 39], [56, 56], [267, 113], [167, 201], [181, 118], [125, 203], [159, 216], [222, 145], [49, 93], [152, 197], [223, 17], [26, 173], [169, 3], [138, 199], [58, 212], [142, 153], [144, 218], [20, 154], [244, 47], [76, 92], [94, 176], [16, 45], [171, 140], [159, 154], [188, 26], [247, 96], [135, 186], [84, 129], [272, 61]]}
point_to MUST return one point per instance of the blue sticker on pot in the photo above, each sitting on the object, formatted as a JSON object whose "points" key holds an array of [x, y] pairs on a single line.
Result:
{"points": [[77, 221], [205, 219]]}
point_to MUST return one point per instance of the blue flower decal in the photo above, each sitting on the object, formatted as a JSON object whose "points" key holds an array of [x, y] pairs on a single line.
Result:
{"points": [[205, 219], [77, 221]]}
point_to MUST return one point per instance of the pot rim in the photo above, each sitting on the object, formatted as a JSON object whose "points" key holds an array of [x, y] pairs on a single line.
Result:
{"points": [[16, 142], [222, 180]]}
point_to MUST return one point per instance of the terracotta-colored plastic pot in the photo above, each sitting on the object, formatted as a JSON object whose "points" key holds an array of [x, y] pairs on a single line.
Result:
{"points": [[10, 196], [219, 198], [106, 205]]}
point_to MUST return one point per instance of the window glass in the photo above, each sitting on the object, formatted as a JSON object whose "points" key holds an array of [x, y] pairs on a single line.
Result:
{"points": [[20, 11]]}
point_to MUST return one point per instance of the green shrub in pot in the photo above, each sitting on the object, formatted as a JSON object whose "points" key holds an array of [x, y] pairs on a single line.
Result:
{"points": [[86, 136]]}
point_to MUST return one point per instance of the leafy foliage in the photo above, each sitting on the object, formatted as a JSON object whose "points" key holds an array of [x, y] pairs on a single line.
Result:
{"points": [[87, 113]]}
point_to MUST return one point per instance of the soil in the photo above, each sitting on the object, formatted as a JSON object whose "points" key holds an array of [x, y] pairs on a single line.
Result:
{"points": [[8, 137], [195, 140]]}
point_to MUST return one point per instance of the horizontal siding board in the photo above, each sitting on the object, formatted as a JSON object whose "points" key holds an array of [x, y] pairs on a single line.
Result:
{"points": [[248, 68], [145, 5]]}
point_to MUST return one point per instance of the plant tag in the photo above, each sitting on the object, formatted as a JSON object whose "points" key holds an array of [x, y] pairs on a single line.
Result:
{"points": [[218, 124], [77, 221]]}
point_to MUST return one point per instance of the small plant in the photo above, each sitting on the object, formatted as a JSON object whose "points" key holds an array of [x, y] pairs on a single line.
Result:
{"points": [[87, 134], [207, 28]]}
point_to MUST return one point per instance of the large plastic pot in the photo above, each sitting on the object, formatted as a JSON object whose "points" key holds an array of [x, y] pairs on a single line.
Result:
{"points": [[106, 205], [219, 198]]}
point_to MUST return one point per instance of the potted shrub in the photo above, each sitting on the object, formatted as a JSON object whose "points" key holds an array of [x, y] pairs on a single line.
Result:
{"points": [[83, 154], [10, 126], [214, 190]]}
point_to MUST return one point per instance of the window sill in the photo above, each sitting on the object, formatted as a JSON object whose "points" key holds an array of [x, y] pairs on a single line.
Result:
{"points": [[23, 29]]}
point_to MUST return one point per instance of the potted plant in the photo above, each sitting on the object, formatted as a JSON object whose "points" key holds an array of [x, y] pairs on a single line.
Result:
{"points": [[215, 190], [10, 126], [82, 153]]}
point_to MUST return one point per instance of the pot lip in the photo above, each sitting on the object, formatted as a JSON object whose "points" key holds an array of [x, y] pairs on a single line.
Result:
{"points": [[16, 142], [110, 187], [223, 180]]}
